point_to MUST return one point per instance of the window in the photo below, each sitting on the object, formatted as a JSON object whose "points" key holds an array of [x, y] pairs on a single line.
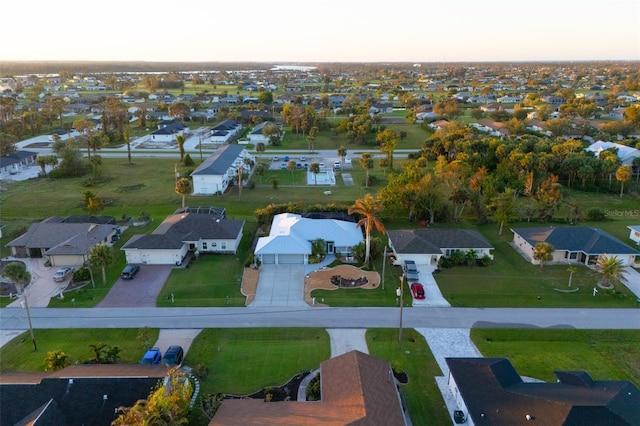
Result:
{"points": [[223, 246], [204, 245]]}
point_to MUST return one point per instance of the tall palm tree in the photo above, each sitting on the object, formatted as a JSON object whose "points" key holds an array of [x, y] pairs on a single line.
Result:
{"points": [[101, 256], [291, 166], [366, 161], [612, 270], [623, 174], [184, 188], [180, 139], [368, 208], [315, 169], [18, 274], [543, 252]]}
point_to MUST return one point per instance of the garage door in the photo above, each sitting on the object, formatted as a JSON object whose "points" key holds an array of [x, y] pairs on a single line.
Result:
{"points": [[268, 259], [291, 259]]}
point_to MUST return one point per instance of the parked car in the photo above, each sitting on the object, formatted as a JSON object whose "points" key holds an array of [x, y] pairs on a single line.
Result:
{"points": [[63, 273], [337, 165], [152, 356], [409, 266], [303, 158], [418, 290], [129, 272], [275, 158], [173, 355], [283, 166]]}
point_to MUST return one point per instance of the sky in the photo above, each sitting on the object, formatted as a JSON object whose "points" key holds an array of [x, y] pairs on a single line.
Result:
{"points": [[300, 31]]}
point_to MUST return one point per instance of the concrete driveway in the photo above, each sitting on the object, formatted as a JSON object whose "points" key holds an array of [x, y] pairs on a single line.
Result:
{"points": [[180, 337], [141, 291], [42, 287], [632, 281], [433, 296], [280, 285]]}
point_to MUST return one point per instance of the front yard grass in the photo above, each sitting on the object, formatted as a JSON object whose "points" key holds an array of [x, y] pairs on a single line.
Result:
{"points": [[18, 354], [424, 400], [604, 354]]}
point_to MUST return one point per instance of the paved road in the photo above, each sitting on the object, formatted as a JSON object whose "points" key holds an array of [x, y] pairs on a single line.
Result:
{"points": [[192, 318]]}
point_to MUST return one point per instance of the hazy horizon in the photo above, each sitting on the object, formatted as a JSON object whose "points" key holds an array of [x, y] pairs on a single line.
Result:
{"points": [[331, 31]]}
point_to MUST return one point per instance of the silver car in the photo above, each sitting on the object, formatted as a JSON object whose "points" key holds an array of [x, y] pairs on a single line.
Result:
{"points": [[62, 274]]}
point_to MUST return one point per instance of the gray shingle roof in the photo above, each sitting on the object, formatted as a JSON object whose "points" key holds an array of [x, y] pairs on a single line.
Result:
{"points": [[178, 228], [220, 161], [433, 241], [575, 238]]}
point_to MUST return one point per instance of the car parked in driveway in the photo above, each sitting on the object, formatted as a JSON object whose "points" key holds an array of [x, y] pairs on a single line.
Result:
{"points": [[173, 355], [151, 357], [63, 274], [417, 290], [129, 272]]}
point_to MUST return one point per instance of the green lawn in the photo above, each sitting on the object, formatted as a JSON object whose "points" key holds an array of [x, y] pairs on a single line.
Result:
{"points": [[604, 354], [424, 401], [243, 361], [18, 354]]}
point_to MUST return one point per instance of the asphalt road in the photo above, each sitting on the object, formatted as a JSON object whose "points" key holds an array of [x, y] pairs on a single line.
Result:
{"points": [[190, 318]]}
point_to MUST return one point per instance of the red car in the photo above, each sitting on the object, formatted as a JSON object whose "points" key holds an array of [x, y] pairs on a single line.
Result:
{"points": [[417, 290]]}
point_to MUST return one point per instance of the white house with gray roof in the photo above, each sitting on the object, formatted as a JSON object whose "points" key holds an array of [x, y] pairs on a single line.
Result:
{"points": [[291, 237], [573, 244], [427, 246], [181, 233], [216, 172]]}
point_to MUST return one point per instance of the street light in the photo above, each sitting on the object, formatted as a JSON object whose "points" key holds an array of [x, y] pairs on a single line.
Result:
{"points": [[400, 293]]}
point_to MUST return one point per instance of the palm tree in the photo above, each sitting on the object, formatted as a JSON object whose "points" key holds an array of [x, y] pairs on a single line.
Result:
{"points": [[56, 360], [571, 270], [315, 169], [623, 174], [612, 270], [180, 139], [543, 252], [291, 166], [18, 274], [368, 208], [101, 256], [183, 188], [366, 161], [342, 152]]}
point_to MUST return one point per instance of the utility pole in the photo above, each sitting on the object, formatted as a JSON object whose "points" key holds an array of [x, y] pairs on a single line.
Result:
{"points": [[400, 293]]}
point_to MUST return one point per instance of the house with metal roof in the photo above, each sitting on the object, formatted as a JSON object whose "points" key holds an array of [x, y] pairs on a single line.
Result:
{"points": [[292, 235], [427, 246], [183, 233], [489, 391], [572, 244], [216, 173]]}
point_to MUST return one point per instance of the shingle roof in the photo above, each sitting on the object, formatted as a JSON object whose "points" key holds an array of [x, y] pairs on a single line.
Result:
{"points": [[495, 394], [176, 229], [16, 157], [357, 389], [433, 241], [591, 241], [220, 161]]}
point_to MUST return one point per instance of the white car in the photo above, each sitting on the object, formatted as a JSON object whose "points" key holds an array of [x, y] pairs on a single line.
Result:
{"points": [[62, 274]]}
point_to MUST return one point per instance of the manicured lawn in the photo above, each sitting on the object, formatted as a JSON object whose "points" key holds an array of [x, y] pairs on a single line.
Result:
{"points": [[18, 354], [212, 280], [424, 401], [243, 361], [604, 354]]}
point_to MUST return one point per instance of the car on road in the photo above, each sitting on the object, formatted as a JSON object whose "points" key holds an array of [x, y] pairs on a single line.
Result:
{"points": [[173, 355], [63, 274], [151, 357], [417, 290], [129, 272]]}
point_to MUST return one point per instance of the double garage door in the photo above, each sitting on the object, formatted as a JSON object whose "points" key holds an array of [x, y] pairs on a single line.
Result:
{"points": [[284, 259]]}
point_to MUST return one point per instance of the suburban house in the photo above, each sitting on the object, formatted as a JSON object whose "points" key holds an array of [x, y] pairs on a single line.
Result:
{"points": [[256, 135], [168, 131], [573, 244], [63, 243], [634, 233], [224, 132], [491, 392], [216, 173], [88, 394], [291, 237], [356, 389], [427, 246], [626, 154], [14, 163], [182, 233]]}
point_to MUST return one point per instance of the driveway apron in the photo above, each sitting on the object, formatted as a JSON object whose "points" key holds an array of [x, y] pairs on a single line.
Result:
{"points": [[280, 285]]}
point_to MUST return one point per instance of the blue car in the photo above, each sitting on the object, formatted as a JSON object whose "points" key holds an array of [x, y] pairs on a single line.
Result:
{"points": [[152, 356]]}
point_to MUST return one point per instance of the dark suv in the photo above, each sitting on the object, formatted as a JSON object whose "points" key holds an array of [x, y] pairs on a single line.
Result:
{"points": [[129, 272]]}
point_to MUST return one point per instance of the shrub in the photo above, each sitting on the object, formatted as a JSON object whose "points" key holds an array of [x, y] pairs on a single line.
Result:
{"points": [[485, 260], [313, 389], [595, 214], [82, 274]]}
